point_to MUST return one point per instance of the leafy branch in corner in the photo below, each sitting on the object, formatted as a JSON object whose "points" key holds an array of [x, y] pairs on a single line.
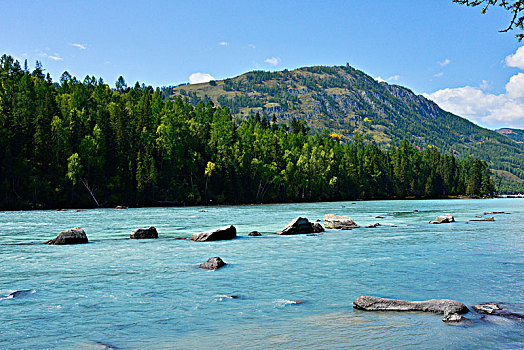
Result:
{"points": [[515, 7]]}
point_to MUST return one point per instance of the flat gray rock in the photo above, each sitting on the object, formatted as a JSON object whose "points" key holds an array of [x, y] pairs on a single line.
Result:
{"points": [[219, 234], [441, 219], [434, 305], [339, 222]]}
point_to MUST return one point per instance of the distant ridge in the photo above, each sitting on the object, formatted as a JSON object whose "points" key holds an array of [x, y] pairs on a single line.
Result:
{"points": [[516, 135], [345, 101]]}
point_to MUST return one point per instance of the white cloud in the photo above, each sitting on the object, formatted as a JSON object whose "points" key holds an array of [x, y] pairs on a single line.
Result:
{"points": [[198, 77], [515, 86], [55, 58], [474, 104], [272, 61], [223, 43], [444, 63], [391, 78], [438, 74], [80, 46], [517, 59], [505, 109]]}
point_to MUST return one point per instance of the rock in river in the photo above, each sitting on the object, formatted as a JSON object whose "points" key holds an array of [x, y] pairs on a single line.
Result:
{"points": [[71, 236], [141, 233], [443, 219], [213, 263], [433, 305], [497, 309], [254, 233], [339, 222], [301, 225], [219, 234], [491, 218], [454, 318]]}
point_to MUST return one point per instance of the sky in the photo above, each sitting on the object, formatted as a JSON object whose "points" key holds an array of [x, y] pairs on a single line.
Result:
{"points": [[447, 52]]}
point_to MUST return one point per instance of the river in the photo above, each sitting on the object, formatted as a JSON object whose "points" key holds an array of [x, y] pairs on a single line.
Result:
{"points": [[137, 294]]}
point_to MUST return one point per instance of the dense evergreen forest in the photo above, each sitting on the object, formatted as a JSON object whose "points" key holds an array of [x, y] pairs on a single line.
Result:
{"points": [[84, 144]]}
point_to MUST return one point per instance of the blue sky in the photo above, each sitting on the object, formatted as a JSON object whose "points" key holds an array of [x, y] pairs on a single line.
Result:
{"points": [[451, 53]]}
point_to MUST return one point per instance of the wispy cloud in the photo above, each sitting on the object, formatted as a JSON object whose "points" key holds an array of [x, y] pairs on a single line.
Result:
{"points": [[54, 57], [444, 63], [439, 74], [223, 43], [199, 77], [394, 78], [80, 46], [251, 46], [272, 61], [505, 109]]}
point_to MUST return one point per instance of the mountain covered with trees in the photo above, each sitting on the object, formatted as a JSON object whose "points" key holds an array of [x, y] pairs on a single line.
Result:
{"points": [[347, 102], [85, 144]]}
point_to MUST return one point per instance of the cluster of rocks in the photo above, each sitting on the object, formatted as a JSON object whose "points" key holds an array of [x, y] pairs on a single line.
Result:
{"points": [[451, 309]]}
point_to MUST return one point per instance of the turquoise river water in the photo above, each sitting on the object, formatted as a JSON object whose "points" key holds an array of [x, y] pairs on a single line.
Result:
{"points": [[150, 294]]}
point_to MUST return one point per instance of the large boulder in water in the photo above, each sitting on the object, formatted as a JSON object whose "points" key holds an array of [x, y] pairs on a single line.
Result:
{"points": [[142, 233], [339, 222], [434, 305], [219, 234], [441, 219], [301, 225], [71, 236], [213, 263]]}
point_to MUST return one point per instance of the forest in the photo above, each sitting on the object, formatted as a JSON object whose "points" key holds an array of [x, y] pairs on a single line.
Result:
{"points": [[81, 144]]}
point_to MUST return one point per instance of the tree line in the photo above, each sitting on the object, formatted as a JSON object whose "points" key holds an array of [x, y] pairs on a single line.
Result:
{"points": [[85, 144]]}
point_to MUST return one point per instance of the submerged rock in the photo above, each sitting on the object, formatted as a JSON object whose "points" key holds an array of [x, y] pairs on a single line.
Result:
{"points": [[254, 233], [219, 234], [213, 263], [301, 225], [497, 309], [376, 224], [434, 305], [71, 236], [495, 212], [339, 222], [491, 218], [143, 233], [19, 293], [446, 218]]}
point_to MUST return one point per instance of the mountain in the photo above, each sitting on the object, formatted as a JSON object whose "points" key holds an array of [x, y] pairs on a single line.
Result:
{"points": [[347, 101], [516, 135]]}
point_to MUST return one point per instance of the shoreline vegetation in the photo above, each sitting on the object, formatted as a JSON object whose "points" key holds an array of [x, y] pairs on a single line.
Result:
{"points": [[84, 145]]}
